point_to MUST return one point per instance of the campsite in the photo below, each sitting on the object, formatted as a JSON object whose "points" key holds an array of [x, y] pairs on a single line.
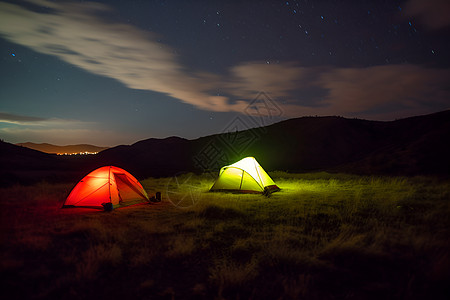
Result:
{"points": [[224, 150], [84, 228], [322, 236]]}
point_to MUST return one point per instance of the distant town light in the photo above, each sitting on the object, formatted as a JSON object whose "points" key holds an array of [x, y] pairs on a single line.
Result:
{"points": [[79, 153]]}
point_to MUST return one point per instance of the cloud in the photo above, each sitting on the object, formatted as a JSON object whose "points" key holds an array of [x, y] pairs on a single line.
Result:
{"points": [[409, 89], [433, 13], [382, 92], [19, 128], [77, 34], [19, 119], [279, 79], [16, 120], [66, 136]]}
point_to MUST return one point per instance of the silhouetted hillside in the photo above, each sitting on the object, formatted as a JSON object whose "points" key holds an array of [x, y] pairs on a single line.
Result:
{"points": [[416, 145], [69, 149], [21, 165], [152, 157], [411, 146]]}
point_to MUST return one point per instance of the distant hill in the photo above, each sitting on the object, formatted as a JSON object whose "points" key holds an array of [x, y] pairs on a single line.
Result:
{"points": [[412, 146], [24, 166], [152, 157], [69, 149]]}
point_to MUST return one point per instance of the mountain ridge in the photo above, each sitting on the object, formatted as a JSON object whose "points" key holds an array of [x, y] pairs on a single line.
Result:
{"points": [[306, 144], [66, 149], [411, 146]]}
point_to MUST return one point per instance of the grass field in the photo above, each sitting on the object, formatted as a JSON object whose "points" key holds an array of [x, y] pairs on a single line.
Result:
{"points": [[323, 236]]}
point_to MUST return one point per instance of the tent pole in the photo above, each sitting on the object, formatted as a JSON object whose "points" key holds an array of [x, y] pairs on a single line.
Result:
{"points": [[259, 175], [242, 178], [109, 183]]}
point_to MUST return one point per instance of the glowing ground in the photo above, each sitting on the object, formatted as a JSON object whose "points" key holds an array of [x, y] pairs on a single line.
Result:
{"points": [[323, 236]]}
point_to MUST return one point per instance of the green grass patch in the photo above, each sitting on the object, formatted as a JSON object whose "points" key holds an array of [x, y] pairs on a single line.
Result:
{"points": [[323, 236]]}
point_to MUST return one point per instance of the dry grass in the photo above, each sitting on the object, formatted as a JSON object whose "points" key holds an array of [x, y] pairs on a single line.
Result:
{"points": [[323, 236]]}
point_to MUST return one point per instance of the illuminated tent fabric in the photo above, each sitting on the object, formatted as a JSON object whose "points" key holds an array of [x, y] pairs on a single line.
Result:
{"points": [[245, 175], [108, 186]]}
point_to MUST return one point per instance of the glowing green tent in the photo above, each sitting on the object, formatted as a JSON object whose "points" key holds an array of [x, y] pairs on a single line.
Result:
{"points": [[245, 176]]}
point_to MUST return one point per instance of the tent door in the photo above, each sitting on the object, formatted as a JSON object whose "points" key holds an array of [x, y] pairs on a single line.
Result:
{"points": [[128, 193], [120, 197]]}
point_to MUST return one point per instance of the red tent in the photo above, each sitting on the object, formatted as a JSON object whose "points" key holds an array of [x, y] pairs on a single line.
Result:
{"points": [[106, 187]]}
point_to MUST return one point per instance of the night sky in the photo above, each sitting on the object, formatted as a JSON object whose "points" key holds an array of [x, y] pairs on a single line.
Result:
{"points": [[115, 72]]}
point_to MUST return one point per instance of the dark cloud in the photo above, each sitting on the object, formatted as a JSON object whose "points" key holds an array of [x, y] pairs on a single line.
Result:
{"points": [[406, 89], [65, 136], [411, 89], [434, 14], [75, 34], [21, 128], [18, 119]]}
